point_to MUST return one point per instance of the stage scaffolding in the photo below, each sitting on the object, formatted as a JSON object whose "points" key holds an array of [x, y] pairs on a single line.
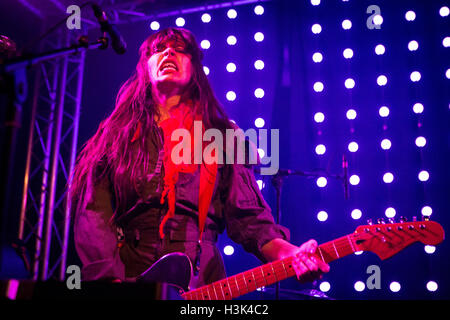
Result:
{"points": [[51, 152]]}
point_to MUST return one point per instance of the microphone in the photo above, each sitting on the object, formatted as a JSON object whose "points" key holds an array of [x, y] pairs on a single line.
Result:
{"points": [[117, 42], [280, 172], [345, 168]]}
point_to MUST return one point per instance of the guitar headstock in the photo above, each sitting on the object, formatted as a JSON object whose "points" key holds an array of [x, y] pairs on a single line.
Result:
{"points": [[387, 239]]}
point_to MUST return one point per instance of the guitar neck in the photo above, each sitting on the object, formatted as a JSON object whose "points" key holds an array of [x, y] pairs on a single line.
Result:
{"points": [[267, 274]]}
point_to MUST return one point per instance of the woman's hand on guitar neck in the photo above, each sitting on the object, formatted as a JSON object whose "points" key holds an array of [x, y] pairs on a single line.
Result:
{"points": [[308, 266]]}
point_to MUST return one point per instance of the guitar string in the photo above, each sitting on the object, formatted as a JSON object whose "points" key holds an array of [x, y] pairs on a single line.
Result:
{"points": [[340, 243]]}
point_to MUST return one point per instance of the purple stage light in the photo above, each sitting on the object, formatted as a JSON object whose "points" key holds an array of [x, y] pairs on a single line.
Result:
{"points": [[316, 28], [259, 36], [232, 14]]}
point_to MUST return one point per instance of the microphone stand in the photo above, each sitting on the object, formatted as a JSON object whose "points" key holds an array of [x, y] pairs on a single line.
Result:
{"points": [[277, 182]]}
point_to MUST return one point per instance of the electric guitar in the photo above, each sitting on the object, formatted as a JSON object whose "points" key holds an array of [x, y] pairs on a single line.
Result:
{"points": [[383, 239]]}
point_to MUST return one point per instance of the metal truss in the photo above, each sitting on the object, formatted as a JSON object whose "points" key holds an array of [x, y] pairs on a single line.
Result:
{"points": [[51, 151], [122, 12]]}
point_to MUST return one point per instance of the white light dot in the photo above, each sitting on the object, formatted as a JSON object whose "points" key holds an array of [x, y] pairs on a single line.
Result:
{"points": [[231, 40], [315, 2], [232, 14], [378, 20], [348, 53], [447, 74], [418, 108], [321, 182], [354, 180], [380, 49], [318, 86], [259, 122], [231, 96], [432, 286], [424, 175], [388, 177], [316, 28], [353, 146], [413, 45], [261, 154], [320, 149], [346, 24], [319, 117], [421, 142], [356, 214], [206, 70], [415, 76], [180, 22], [386, 144], [426, 211], [206, 18], [444, 11], [324, 286], [260, 183], [384, 111], [390, 212], [259, 64], [259, 93], [359, 286], [359, 253], [430, 249], [395, 286], [154, 25], [351, 114], [322, 216], [205, 44], [446, 42], [410, 15], [231, 67], [349, 83], [382, 80], [259, 36], [259, 10], [317, 57], [228, 250]]}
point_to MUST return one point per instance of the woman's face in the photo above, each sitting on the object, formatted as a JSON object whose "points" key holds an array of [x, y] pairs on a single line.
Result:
{"points": [[170, 65]]}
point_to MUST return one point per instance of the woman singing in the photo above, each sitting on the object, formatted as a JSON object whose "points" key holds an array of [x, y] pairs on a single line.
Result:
{"points": [[133, 203]]}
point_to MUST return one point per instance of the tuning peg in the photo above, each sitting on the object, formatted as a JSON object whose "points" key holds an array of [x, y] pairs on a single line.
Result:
{"points": [[425, 218], [403, 219], [391, 220], [414, 219], [380, 221], [369, 222]]}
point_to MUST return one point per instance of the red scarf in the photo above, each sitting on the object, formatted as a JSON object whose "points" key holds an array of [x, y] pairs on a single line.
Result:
{"points": [[182, 117]]}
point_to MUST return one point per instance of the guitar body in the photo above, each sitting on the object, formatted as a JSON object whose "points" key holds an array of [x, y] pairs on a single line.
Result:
{"points": [[173, 271]]}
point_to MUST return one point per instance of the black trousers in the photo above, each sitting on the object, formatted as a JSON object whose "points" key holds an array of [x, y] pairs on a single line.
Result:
{"points": [[143, 247]]}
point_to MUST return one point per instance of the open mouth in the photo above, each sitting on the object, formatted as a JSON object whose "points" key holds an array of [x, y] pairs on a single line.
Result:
{"points": [[168, 65]]}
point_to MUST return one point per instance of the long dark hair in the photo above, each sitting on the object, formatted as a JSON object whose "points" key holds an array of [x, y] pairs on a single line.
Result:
{"points": [[111, 148]]}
